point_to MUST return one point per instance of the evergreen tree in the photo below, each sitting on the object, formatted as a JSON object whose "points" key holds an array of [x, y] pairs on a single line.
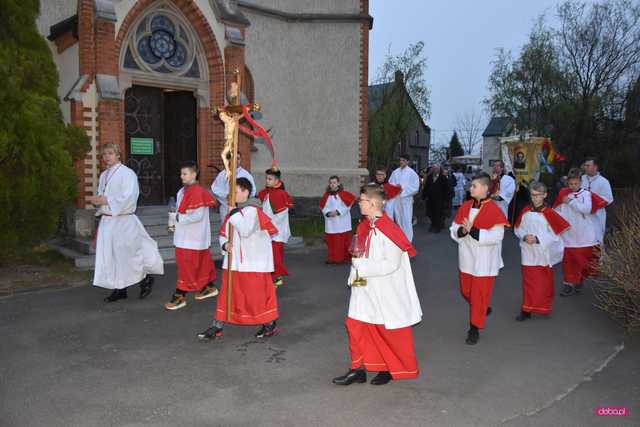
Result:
{"points": [[37, 150], [455, 148]]}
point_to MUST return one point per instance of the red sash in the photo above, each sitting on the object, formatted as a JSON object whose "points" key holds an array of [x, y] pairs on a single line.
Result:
{"points": [[554, 219], [597, 202], [388, 228], [346, 197], [488, 216], [194, 197]]}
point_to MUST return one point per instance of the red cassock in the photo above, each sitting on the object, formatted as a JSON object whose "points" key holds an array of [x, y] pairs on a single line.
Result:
{"points": [[374, 346], [254, 299], [477, 290], [537, 280], [338, 247], [380, 349], [579, 263], [194, 267], [338, 243], [279, 269], [279, 201]]}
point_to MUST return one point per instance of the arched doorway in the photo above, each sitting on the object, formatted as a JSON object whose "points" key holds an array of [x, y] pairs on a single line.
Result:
{"points": [[163, 66], [160, 134]]}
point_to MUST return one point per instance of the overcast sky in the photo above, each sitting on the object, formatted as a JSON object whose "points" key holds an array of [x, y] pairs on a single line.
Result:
{"points": [[460, 39]]}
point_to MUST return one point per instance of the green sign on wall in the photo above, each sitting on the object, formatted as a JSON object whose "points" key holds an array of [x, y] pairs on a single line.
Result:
{"points": [[142, 146]]}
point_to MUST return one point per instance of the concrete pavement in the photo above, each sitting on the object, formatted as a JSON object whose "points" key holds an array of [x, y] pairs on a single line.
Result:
{"points": [[68, 359]]}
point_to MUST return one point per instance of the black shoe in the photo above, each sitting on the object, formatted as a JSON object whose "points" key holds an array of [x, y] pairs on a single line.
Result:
{"points": [[146, 285], [353, 376], [268, 330], [524, 315], [116, 295], [489, 311], [578, 288], [382, 378], [472, 336], [567, 291], [210, 334]]}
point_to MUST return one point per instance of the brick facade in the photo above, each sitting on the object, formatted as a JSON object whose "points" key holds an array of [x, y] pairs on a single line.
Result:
{"points": [[99, 52]]}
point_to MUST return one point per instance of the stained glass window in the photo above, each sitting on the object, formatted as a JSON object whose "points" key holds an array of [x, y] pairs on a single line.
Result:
{"points": [[161, 43]]}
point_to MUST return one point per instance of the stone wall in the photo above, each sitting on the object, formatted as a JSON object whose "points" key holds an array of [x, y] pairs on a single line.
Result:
{"points": [[307, 80]]}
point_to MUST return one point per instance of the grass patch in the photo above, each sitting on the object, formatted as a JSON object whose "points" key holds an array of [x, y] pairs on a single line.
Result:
{"points": [[38, 267], [312, 227]]}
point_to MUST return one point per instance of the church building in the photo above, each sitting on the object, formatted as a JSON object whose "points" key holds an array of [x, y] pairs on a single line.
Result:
{"points": [[149, 75]]}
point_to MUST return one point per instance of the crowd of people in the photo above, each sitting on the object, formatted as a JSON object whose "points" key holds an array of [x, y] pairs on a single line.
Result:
{"points": [[384, 303]]}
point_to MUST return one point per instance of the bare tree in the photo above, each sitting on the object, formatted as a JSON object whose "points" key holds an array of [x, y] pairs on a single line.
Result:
{"points": [[469, 128], [400, 89], [600, 49]]}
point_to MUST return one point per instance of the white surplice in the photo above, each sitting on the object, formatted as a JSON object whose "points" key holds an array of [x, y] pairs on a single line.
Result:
{"points": [[549, 251], [280, 220], [193, 230], [409, 180], [577, 212], [390, 296], [251, 246], [125, 253], [507, 189], [599, 185], [481, 257], [340, 223], [220, 188]]}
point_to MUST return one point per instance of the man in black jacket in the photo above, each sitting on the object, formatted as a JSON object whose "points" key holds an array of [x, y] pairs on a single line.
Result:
{"points": [[436, 191]]}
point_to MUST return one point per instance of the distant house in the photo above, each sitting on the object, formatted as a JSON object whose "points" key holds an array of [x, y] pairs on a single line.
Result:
{"points": [[497, 127], [417, 139]]}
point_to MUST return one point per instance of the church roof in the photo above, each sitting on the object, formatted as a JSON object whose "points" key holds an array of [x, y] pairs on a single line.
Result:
{"points": [[497, 126]]}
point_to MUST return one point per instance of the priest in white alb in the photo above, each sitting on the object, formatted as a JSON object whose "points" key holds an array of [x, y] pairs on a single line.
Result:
{"points": [[502, 187], [409, 181], [125, 254], [597, 184]]}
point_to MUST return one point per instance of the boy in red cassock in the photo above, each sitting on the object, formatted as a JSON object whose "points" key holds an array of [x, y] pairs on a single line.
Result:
{"points": [[192, 239], [253, 296], [276, 203], [335, 205], [478, 228], [539, 230], [384, 309], [581, 242], [391, 191]]}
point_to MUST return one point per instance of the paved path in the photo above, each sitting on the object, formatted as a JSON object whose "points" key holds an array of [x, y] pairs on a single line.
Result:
{"points": [[67, 359]]}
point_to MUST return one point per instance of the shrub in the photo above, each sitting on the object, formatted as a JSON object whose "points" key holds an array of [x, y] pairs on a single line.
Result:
{"points": [[37, 150], [617, 290]]}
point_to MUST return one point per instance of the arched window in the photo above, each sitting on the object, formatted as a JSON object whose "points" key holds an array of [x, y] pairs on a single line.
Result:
{"points": [[162, 43]]}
